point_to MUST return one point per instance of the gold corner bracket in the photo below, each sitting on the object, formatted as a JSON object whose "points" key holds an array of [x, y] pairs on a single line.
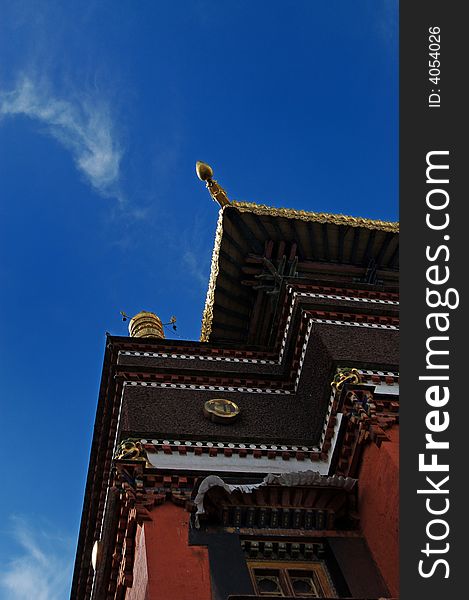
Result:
{"points": [[343, 376]]}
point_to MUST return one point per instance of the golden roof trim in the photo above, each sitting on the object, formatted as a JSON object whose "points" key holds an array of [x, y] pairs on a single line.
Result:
{"points": [[207, 316], [303, 215], [262, 209]]}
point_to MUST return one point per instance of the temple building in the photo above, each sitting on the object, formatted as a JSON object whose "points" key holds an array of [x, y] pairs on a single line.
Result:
{"points": [[262, 460]]}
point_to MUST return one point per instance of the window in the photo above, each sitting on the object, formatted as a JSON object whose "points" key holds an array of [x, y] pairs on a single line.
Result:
{"points": [[300, 580], [268, 582]]}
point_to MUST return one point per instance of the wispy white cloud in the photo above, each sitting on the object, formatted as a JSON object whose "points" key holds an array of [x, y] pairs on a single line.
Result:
{"points": [[191, 246], [42, 567], [82, 123], [195, 267]]}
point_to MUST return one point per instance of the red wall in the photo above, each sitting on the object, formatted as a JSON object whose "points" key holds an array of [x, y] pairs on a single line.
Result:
{"points": [[139, 588], [166, 567], [379, 506]]}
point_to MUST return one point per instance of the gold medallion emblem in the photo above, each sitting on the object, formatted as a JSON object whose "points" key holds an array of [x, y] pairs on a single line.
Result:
{"points": [[220, 410]]}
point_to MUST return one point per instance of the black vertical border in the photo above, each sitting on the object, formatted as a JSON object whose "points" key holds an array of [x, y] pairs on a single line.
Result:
{"points": [[424, 129]]}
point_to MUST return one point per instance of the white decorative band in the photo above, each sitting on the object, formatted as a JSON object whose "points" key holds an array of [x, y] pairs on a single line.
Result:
{"points": [[347, 298], [197, 357], [175, 445], [209, 388], [355, 324]]}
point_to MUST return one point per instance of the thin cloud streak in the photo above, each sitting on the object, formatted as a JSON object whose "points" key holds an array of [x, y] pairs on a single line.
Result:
{"points": [[193, 264], [41, 570], [195, 259], [82, 124]]}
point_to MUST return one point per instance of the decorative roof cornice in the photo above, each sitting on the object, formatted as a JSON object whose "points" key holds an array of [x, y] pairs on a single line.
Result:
{"points": [[262, 209], [303, 215], [207, 316], [306, 478]]}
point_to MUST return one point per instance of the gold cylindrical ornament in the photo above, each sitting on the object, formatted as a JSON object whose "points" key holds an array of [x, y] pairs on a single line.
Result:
{"points": [[147, 325]]}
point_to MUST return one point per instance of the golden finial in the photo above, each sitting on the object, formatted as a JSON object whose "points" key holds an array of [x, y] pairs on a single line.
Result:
{"points": [[205, 173], [147, 325]]}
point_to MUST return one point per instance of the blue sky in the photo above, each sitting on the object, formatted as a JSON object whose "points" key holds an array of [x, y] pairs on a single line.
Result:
{"points": [[104, 109]]}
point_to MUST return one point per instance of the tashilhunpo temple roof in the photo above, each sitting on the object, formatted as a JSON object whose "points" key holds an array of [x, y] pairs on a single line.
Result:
{"points": [[250, 243]]}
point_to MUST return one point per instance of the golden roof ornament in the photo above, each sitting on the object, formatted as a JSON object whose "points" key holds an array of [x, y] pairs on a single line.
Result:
{"points": [[205, 173], [345, 375], [147, 325], [220, 410], [132, 449]]}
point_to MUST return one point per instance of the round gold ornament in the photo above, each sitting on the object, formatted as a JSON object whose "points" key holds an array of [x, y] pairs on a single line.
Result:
{"points": [[220, 410]]}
